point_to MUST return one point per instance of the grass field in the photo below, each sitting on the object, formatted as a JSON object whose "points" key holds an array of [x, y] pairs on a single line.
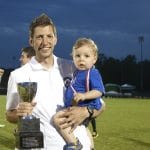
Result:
{"points": [[125, 125]]}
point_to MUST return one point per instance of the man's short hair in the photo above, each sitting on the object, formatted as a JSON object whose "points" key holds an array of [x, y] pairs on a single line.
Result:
{"points": [[42, 20], [29, 51]]}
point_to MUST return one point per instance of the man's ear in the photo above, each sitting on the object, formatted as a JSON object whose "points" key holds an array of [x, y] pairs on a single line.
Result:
{"points": [[31, 41], [55, 40]]}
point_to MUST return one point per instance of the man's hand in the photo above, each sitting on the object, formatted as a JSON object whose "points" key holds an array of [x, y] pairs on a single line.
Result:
{"points": [[25, 108], [74, 116]]}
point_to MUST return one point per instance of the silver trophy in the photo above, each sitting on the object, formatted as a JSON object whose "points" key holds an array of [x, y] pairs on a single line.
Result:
{"points": [[28, 134], [27, 91]]}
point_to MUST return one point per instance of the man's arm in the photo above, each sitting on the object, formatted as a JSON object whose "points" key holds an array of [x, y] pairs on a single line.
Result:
{"points": [[76, 115], [23, 109]]}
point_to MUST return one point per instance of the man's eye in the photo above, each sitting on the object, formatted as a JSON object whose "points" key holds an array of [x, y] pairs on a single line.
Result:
{"points": [[87, 56], [39, 37], [50, 36]]}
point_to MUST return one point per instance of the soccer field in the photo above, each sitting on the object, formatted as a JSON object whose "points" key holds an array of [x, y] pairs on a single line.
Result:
{"points": [[125, 125]]}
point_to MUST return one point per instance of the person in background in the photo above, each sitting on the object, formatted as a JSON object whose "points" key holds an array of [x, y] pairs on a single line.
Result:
{"points": [[94, 130], [26, 54], [49, 71], [85, 89], [1, 74]]}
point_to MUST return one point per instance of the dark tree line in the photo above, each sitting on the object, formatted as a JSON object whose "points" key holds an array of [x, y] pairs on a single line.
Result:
{"points": [[127, 70]]}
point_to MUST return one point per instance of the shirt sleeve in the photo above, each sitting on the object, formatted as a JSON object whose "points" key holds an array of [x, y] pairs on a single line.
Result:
{"points": [[96, 82], [12, 94]]}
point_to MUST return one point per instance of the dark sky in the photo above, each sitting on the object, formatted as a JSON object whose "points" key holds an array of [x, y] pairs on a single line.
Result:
{"points": [[114, 25]]}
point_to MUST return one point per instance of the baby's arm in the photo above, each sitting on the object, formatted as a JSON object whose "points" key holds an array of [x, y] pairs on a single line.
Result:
{"points": [[87, 95]]}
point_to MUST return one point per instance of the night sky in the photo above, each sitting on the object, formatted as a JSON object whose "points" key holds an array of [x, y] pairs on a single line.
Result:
{"points": [[114, 25]]}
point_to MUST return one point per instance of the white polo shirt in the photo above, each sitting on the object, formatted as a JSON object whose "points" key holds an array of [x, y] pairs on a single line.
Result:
{"points": [[49, 98]]}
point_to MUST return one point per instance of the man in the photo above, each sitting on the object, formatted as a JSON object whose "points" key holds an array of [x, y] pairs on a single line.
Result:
{"points": [[1, 74], [48, 71], [26, 54], [94, 130]]}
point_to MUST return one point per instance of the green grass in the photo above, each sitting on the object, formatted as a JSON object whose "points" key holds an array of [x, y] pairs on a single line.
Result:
{"points": [[125, 125], [6, 133]]}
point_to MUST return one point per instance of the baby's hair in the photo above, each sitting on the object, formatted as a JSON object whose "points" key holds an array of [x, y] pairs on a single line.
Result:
{"points": [[86, 41]]}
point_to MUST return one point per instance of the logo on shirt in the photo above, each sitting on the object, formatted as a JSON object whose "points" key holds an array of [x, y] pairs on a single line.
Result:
{"points": [[67, 81]]}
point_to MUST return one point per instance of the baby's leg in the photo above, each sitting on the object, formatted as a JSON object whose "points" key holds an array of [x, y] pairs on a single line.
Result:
{"points": [[65, 132]]}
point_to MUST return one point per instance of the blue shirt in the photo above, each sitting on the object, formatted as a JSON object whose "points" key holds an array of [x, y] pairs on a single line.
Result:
{"points": [[79, 84]]}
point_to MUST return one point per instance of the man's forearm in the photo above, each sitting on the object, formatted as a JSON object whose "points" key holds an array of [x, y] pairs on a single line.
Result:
{"points": [[11, 116]]}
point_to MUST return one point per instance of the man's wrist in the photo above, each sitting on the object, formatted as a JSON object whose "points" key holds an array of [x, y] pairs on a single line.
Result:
{"points": [[11, 116], [90, 111]]}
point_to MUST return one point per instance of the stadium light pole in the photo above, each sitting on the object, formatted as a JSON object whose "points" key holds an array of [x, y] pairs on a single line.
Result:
{"points": [[141, 40]]}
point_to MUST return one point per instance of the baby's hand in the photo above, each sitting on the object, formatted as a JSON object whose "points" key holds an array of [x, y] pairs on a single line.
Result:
{"points": [[79, 97]]}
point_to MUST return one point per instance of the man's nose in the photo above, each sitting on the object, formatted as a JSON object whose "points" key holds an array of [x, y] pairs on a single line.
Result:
{"points": [[45, 40]]}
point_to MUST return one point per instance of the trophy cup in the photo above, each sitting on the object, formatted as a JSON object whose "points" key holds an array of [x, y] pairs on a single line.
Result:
{"points": [[28, 134]]}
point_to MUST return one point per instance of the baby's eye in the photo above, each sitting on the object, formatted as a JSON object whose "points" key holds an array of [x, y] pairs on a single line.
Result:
{"points": [[78, 55]]}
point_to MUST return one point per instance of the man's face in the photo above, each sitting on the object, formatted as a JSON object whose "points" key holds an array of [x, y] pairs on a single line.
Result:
{"points": [[24, 58], [1, 72], [43, 41]]}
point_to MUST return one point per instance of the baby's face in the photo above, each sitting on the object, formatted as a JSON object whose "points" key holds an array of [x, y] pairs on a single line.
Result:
{"points": [[84, 57]]}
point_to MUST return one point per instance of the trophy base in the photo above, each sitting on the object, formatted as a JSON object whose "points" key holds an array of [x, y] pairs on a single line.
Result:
{"points": [[28, 140]]}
